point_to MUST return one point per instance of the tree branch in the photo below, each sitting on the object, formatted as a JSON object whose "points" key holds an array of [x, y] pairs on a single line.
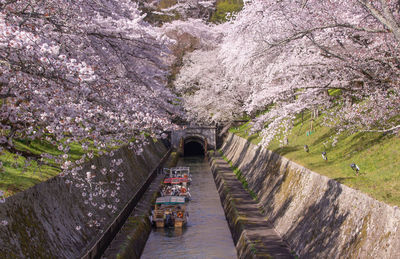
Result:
{"points": [[385, 130], [386, 18], [301, 34]]}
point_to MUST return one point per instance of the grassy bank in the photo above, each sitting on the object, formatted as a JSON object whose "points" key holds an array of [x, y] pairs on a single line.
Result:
{"points": [[19, 173], [377, 155], [224, 8]]}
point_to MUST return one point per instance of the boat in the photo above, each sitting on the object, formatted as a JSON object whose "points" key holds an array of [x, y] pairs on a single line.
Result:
{"points": [[176, 190], [178, 172], [176, 180], [170, 211]]}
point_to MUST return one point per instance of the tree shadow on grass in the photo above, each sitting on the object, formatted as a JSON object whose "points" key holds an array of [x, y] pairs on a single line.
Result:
{"points": [[321, 164], [342, 179], [323, 138], [252, 137], [360, 142], [286, 149]]}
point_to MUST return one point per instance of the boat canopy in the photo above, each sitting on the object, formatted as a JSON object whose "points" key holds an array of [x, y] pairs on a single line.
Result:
{"points": [[182, 169], [170, 200]]}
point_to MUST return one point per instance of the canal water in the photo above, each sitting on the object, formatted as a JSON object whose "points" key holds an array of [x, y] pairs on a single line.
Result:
{"points": [[207, 234]]}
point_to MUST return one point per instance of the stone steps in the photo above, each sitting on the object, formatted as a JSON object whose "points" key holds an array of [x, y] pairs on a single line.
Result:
{"points": [[253, 235]]}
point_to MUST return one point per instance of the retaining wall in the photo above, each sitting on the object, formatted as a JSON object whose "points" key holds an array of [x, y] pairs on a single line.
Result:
{"points": [[317, 216], [253, 236], [42, 220]]}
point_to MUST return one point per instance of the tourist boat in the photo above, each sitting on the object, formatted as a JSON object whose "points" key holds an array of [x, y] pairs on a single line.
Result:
{"points": [[178, 172], [170, 211], [176, 180], [176, 190]]}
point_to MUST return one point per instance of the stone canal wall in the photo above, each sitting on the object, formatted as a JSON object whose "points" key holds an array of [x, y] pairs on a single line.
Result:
{"points": [[254, 237], [317, 216], [42, 220], [131, 239]]}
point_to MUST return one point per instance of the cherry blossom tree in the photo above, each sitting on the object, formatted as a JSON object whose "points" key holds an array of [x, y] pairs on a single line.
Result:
{"points": [[94, 73], [199, 79], [87, 69], [285, 57], [88, 72]]}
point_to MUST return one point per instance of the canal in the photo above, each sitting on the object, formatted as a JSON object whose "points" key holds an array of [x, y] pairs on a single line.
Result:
{"points": [[207, 234]]}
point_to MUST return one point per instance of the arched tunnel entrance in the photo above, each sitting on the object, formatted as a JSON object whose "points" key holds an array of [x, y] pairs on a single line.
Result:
{"points": [[194, 146]]}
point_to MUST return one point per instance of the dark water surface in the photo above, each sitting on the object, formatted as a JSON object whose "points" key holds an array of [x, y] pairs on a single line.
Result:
{"points": [[207, 234]]}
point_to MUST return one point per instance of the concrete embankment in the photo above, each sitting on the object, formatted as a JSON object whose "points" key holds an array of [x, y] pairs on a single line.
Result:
{"points": [[131, 239], [253, 236], [317, 216], [51, 219]]}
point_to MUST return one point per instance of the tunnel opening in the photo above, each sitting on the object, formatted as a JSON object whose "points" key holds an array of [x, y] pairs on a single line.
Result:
{"points": [[193, 148]]}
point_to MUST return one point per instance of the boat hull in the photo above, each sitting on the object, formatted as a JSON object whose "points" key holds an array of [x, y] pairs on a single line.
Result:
{"points": [[160, 224], [178, 223]]}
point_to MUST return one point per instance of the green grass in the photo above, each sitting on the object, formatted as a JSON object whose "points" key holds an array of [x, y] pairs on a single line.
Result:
{"points": [[244, 132], [163, 4], [377, 155], [225, 7], [14, 178], [160, 19]]}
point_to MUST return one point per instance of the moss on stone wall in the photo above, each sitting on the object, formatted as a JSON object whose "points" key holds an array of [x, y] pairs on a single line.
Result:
{"points": [[240, 177], [136, 238], [238, 219], [136, 230]]}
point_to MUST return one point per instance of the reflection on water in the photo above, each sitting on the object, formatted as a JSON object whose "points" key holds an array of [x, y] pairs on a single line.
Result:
{"points": [[207, 234], [170, 232]]}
